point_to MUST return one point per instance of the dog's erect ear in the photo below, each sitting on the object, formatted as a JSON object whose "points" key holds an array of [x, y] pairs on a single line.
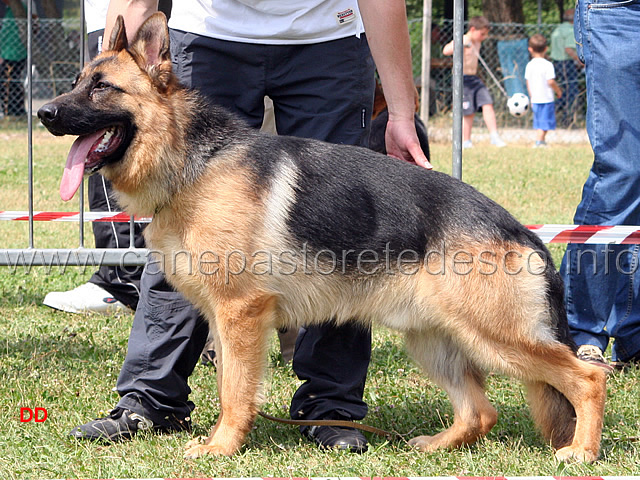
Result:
{"points": [[152, 40], [118, 40], [150, 49]]}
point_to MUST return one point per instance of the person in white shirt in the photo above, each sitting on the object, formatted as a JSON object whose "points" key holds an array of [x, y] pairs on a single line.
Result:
{"points": [[541, 84]]}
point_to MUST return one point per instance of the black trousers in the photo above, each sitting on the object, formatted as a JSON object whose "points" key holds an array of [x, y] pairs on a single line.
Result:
{"points": [[322, 91], [12, 88], [121, 282]]}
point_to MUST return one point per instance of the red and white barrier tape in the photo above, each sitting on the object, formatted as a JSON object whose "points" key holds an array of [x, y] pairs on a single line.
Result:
{"points": [[598, 234], [549, 233], [409, 478], [70, 216]]}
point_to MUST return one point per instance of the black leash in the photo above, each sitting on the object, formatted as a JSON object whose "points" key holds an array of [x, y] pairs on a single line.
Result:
{"points": [[331, 423]]}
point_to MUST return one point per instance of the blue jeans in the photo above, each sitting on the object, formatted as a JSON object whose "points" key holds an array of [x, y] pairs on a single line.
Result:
{"points": [[602, 281]]}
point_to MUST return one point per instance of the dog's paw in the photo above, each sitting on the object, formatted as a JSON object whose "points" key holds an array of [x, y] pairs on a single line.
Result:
{"points": [[201, 449], [425, 443], [576, 454], [201, 440]]}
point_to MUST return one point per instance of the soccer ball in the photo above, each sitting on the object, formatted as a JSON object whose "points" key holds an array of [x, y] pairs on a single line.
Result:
{"points": [[518, 104]]}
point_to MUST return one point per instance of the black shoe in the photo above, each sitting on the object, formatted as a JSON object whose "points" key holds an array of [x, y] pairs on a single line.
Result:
{"points": [[342, 438], [208, 358], [121, 425]]}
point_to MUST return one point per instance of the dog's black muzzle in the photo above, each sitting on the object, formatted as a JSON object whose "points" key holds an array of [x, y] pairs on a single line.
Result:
{"points": [[49, 115]]}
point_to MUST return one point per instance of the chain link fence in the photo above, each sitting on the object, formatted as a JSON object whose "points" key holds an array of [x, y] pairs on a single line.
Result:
{"points": [[505, 55], [56, 61]]}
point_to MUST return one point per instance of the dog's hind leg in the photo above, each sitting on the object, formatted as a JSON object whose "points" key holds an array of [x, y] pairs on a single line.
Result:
{"points": [[565, 385], [463, 381], [242, 327]]}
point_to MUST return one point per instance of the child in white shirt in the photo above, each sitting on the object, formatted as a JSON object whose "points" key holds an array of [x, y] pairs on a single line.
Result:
{"points": [[541, 84]]}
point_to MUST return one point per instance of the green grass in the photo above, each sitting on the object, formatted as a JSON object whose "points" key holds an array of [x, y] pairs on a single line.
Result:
{"points": [[69, 363]]}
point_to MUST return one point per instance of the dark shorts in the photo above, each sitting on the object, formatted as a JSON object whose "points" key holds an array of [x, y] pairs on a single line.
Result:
{"points": [[322, 91], [544, 116], [474, 95]]}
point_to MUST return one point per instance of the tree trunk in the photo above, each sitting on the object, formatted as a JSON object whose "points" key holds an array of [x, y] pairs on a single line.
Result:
{"points": [[50, 10], [503, 11], [18, 9], [561, 9]]}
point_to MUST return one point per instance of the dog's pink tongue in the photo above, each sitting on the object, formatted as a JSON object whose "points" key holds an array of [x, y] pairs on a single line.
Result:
{"points": [[74, 169]]}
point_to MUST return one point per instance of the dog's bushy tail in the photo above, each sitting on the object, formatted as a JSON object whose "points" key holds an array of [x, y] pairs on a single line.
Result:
{"points": [[552, 411], [557, 309]]}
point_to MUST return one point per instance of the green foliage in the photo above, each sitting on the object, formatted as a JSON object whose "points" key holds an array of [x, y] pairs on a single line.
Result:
{"points": [[550, 11]]}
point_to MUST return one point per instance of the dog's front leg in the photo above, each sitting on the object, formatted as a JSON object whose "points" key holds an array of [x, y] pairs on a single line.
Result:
{"points": [[242, 327]]}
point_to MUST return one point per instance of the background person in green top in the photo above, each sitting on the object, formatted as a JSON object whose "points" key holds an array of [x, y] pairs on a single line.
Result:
{"points": [[13, 58], [565, 62]]}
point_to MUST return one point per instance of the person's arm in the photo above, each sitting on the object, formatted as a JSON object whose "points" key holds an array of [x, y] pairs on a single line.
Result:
{"points": [[135, 12], [385, 23], [555, 87], [574, 55], [448, 49]]}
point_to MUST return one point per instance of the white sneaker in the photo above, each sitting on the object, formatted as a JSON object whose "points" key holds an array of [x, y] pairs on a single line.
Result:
{"points": [[497, 141], [87, 298], [467, 144], [591, 353]]}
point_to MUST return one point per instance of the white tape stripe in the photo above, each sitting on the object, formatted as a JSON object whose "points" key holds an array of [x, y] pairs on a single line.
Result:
{"points": [[613, 235], [146, 479], [439, 478], [530, 478], [69, 218]]}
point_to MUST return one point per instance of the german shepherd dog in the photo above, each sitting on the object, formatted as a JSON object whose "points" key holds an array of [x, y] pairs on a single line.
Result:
{"points": [[262, 231]]}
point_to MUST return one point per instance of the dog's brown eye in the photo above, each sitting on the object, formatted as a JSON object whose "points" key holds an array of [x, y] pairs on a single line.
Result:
{"points": [[104, 87]]}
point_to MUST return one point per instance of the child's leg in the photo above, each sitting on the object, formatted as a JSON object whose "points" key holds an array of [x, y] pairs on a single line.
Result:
{"points": [[489, 117], [467, 125]]}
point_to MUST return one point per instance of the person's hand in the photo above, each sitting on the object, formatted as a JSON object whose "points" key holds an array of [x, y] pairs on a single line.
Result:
{"points": [[402, 142]]}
